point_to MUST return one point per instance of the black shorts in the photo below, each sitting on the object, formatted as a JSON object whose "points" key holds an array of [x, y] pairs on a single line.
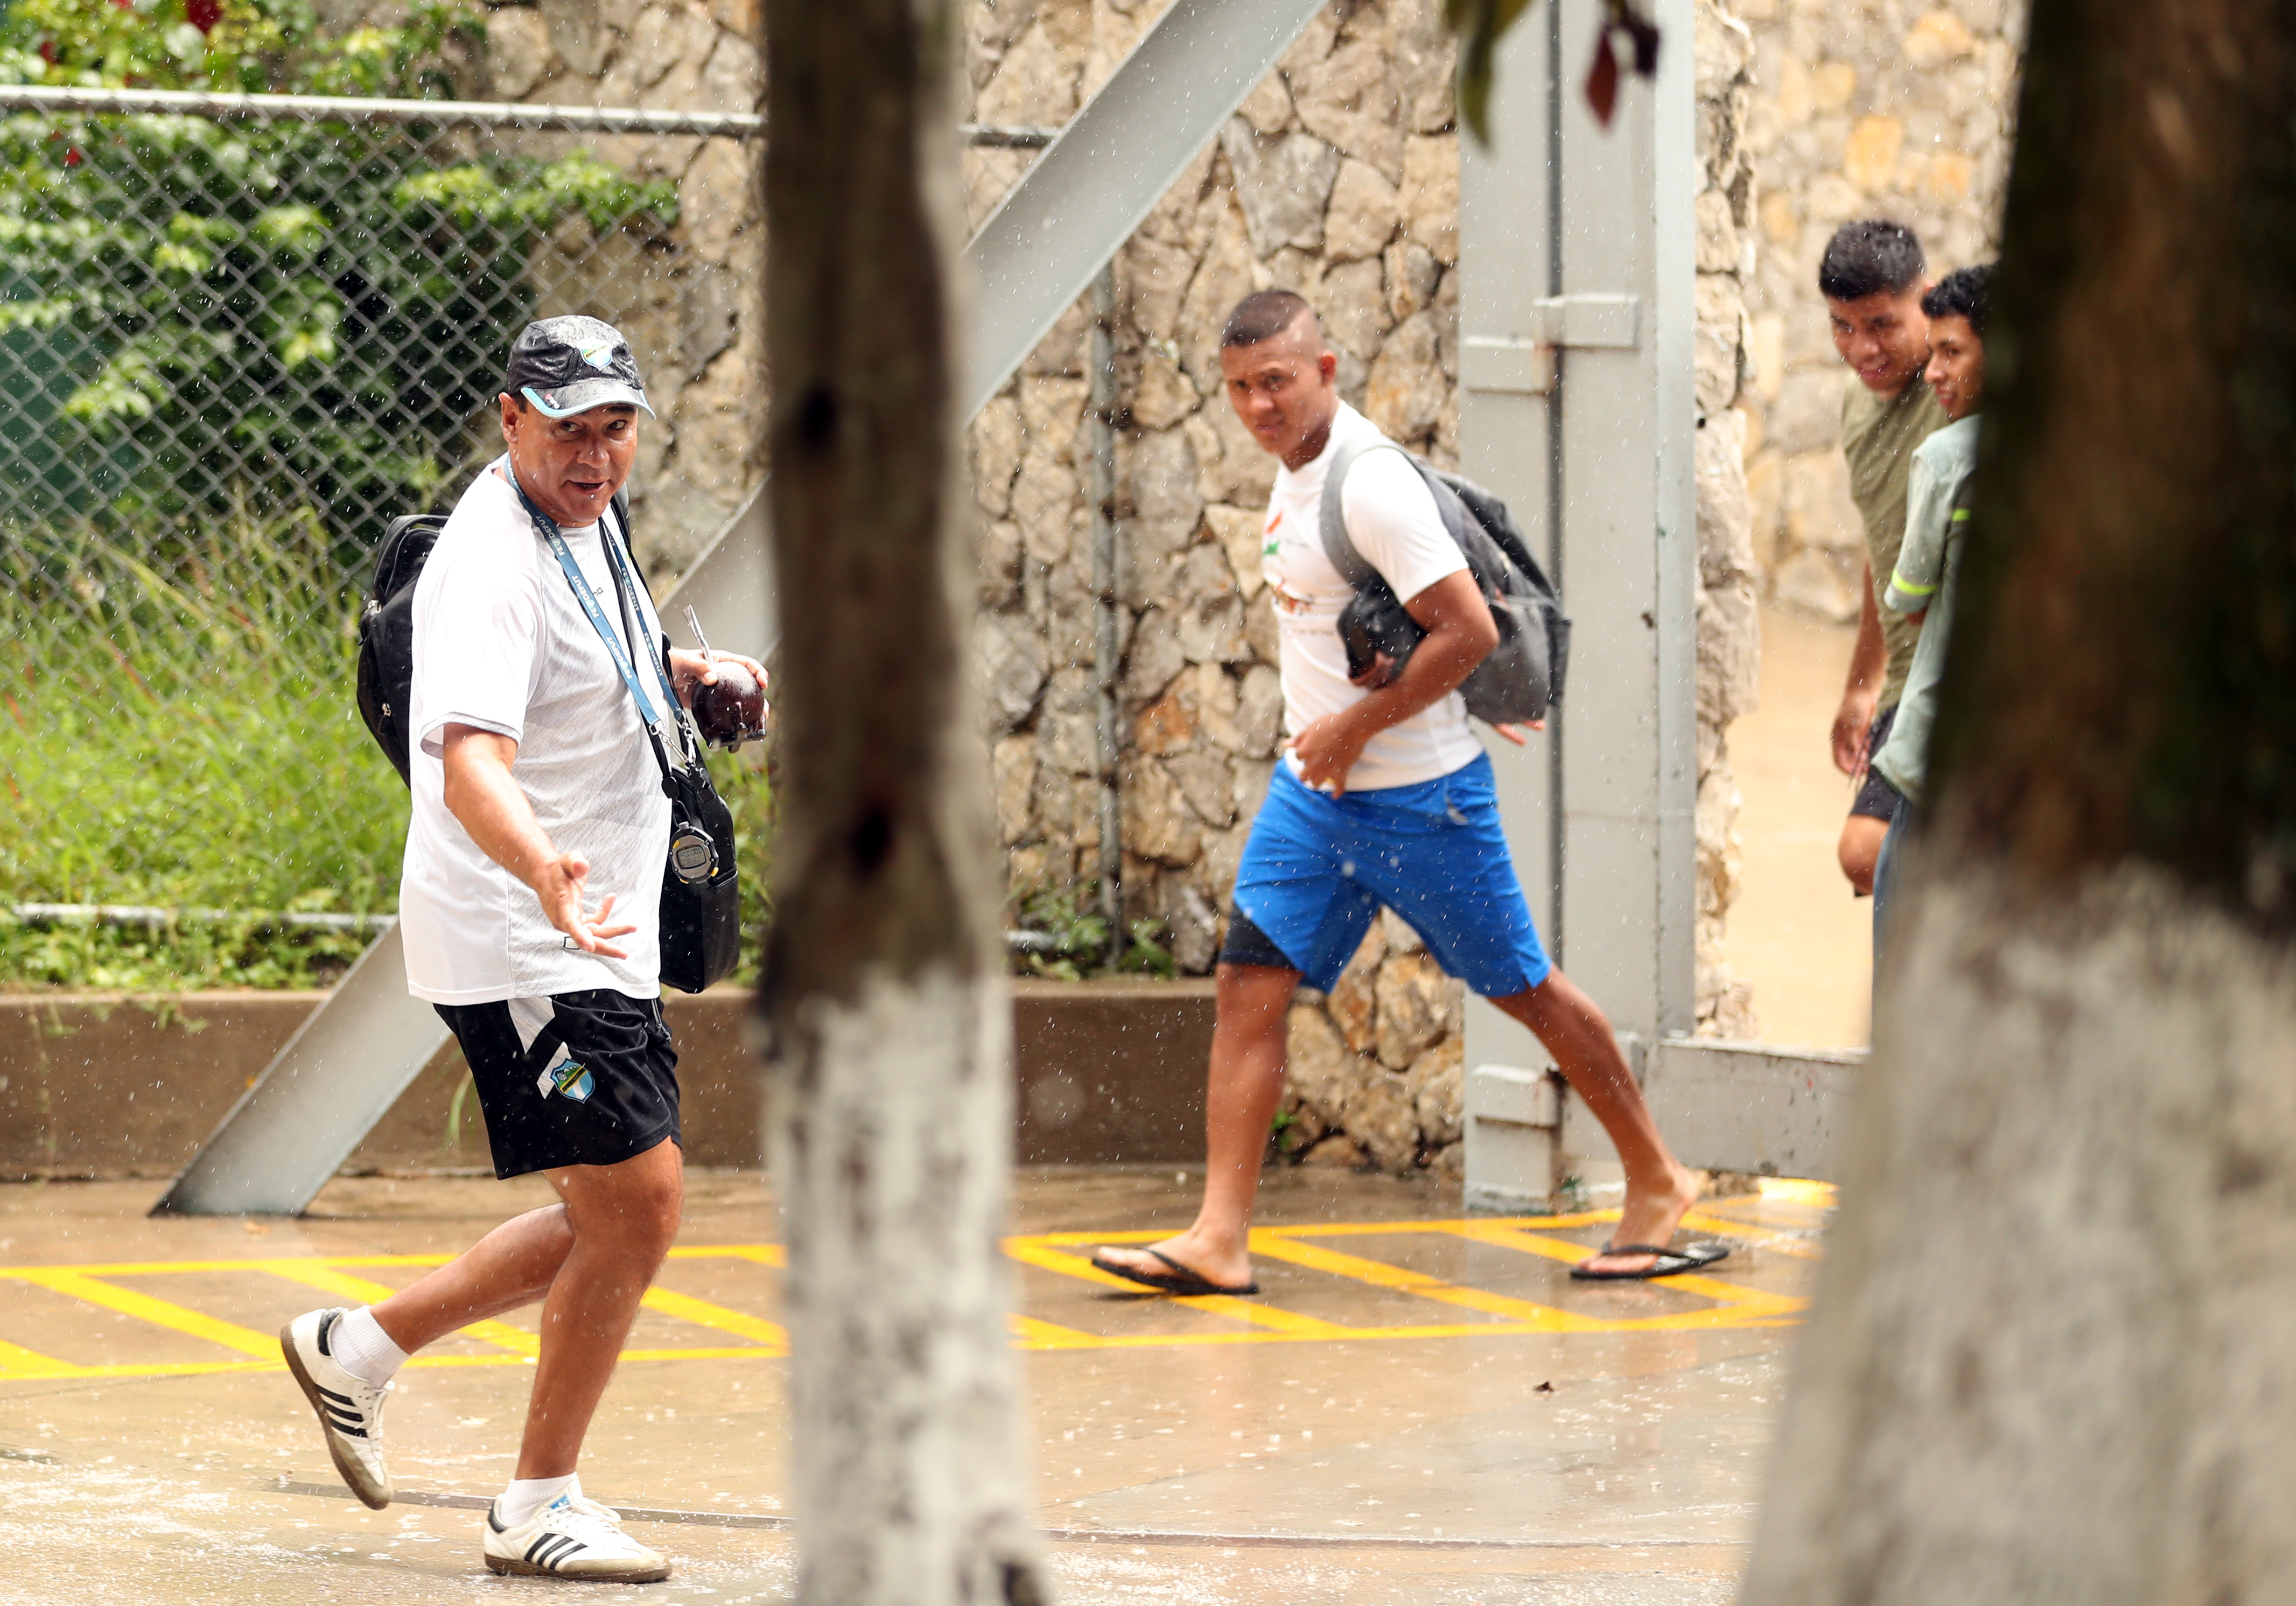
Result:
{"points": [[1876, 799], [609, 1097], [1247, 943]]}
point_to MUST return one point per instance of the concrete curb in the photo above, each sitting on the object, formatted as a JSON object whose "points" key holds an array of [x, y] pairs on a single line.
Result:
{"points": [[106, 1086]]}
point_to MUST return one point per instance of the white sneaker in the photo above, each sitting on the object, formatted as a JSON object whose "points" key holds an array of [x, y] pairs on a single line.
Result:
{"points": [[350, 1407], [572, 1538]]}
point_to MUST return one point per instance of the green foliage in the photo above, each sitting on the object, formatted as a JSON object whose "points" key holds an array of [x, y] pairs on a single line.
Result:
{"points": [[252, 46], [308, 309], [192, 311], [184, 738], [745, 780], [1480, 24], [1075, 937]]}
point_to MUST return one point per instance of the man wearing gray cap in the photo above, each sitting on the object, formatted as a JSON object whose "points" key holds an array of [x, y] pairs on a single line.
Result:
{"points": [[528, 909]]}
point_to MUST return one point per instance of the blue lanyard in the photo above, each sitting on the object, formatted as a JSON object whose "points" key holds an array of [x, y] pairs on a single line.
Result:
{"points": [[589, 599]]}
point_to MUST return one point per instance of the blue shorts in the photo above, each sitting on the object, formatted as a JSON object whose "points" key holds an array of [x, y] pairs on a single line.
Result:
{"points": [[1317, 868]]}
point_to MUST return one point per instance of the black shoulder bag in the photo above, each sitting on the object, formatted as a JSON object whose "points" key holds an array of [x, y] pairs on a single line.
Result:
{"points": [[700, 899]]}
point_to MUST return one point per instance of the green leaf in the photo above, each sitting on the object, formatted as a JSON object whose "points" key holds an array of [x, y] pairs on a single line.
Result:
{"points": [[1480, 25]]}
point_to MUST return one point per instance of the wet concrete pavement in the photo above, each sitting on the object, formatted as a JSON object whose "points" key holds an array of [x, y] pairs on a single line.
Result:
{"points": [[1420, 1407]]}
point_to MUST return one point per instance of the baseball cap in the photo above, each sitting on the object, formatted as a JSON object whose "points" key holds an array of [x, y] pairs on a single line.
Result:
{"points": [[571, 365]]}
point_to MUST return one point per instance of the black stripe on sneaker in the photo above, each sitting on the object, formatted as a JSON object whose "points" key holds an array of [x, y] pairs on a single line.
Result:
{"points": [[565, 1553], [540, 1540], [340, 1399]]}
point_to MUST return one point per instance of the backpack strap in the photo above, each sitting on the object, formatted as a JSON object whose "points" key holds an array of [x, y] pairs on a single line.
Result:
{"points": [[1332, 518]]}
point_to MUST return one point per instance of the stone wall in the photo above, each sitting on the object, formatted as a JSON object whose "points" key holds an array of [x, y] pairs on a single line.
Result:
{"points": [[1338, 178], [1729, 619], [1892, 107]]}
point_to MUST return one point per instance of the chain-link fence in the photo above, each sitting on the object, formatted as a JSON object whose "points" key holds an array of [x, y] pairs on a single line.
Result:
{"points": [[239, 335], [232, 347]]}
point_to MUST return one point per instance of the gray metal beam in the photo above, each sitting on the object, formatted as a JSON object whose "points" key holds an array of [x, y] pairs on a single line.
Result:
{"points": [[1068, 215], [336, 1078], [1078, 205]]}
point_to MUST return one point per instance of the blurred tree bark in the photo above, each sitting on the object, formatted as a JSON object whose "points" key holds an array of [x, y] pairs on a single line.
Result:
{"points": [[2054, 1352], [889, 1026]]}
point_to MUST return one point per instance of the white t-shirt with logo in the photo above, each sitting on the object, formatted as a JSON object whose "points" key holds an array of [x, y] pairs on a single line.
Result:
{"points": [[500, 643], [1393, 522]]}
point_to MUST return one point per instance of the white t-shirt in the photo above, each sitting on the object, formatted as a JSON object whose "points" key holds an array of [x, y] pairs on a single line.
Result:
{"points": [[502, 643], [1392, 519]]}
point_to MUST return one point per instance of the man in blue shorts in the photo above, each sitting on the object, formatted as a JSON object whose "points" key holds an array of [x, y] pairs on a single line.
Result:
{"points": [[1384, 795]]}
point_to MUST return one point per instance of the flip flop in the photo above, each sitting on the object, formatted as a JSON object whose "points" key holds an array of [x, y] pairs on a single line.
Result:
{"points": [[1182, 1280], [1671, 1262]]}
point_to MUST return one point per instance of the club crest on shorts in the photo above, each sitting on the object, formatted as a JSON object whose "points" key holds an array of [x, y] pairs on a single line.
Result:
{"points": [[569, 1078]]}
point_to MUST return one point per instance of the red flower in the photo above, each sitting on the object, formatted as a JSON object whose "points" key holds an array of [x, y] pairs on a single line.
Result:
{"points": [[201, 14], [48, 52], [72, 157]]}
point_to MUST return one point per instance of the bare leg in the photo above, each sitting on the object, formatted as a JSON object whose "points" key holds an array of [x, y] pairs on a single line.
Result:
{"points": [[1246, 1084], [511, 1266], [623, 1218], [1576, 1032], [1861, 847]]}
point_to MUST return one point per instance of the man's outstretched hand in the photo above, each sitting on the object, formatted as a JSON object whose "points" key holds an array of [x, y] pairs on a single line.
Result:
{"points": [[558, 884]]}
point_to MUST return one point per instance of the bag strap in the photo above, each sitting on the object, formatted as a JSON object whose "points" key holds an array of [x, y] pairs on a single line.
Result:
{"points": [[1339, 547], [623, 661], [1332, 521]]}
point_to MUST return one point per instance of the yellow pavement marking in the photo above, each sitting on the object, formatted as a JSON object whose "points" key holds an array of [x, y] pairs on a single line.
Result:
{"points": [[1726, 1304], [1737, 1305], [685, 1308], [1030, 1334], [160, 1312], [763, 1254], [1797, 1244], [16, 1362], [1796, 1191], [1034, 1251], [1523, 1313], [319, 1274]]}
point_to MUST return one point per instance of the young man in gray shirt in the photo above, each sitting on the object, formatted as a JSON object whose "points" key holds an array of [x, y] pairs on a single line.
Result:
{"points": [[1872, 276], [1928, 569]]}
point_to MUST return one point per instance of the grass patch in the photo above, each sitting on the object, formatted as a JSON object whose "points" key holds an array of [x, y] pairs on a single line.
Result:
{"points": [[182, 733]]}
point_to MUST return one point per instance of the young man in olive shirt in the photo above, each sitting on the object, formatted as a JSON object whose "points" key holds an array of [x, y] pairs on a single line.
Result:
{"points": [[1872, 277]]}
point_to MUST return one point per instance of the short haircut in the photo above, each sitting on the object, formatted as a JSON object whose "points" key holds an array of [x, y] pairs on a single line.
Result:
{"points": [[1961, 294], [1870, 257], [1262, 315]]}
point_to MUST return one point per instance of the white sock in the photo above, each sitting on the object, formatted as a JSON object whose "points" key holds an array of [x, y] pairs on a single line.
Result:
{"points": [[365, 1349], [527, 1495]]}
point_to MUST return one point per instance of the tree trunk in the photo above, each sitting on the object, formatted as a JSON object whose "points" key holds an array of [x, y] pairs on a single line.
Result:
{"points": [[2054, 1352], [890, 1129]]}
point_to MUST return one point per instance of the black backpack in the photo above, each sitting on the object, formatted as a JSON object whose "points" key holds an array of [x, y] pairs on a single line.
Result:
{"points": [[1522, 676], [386, 634]]}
